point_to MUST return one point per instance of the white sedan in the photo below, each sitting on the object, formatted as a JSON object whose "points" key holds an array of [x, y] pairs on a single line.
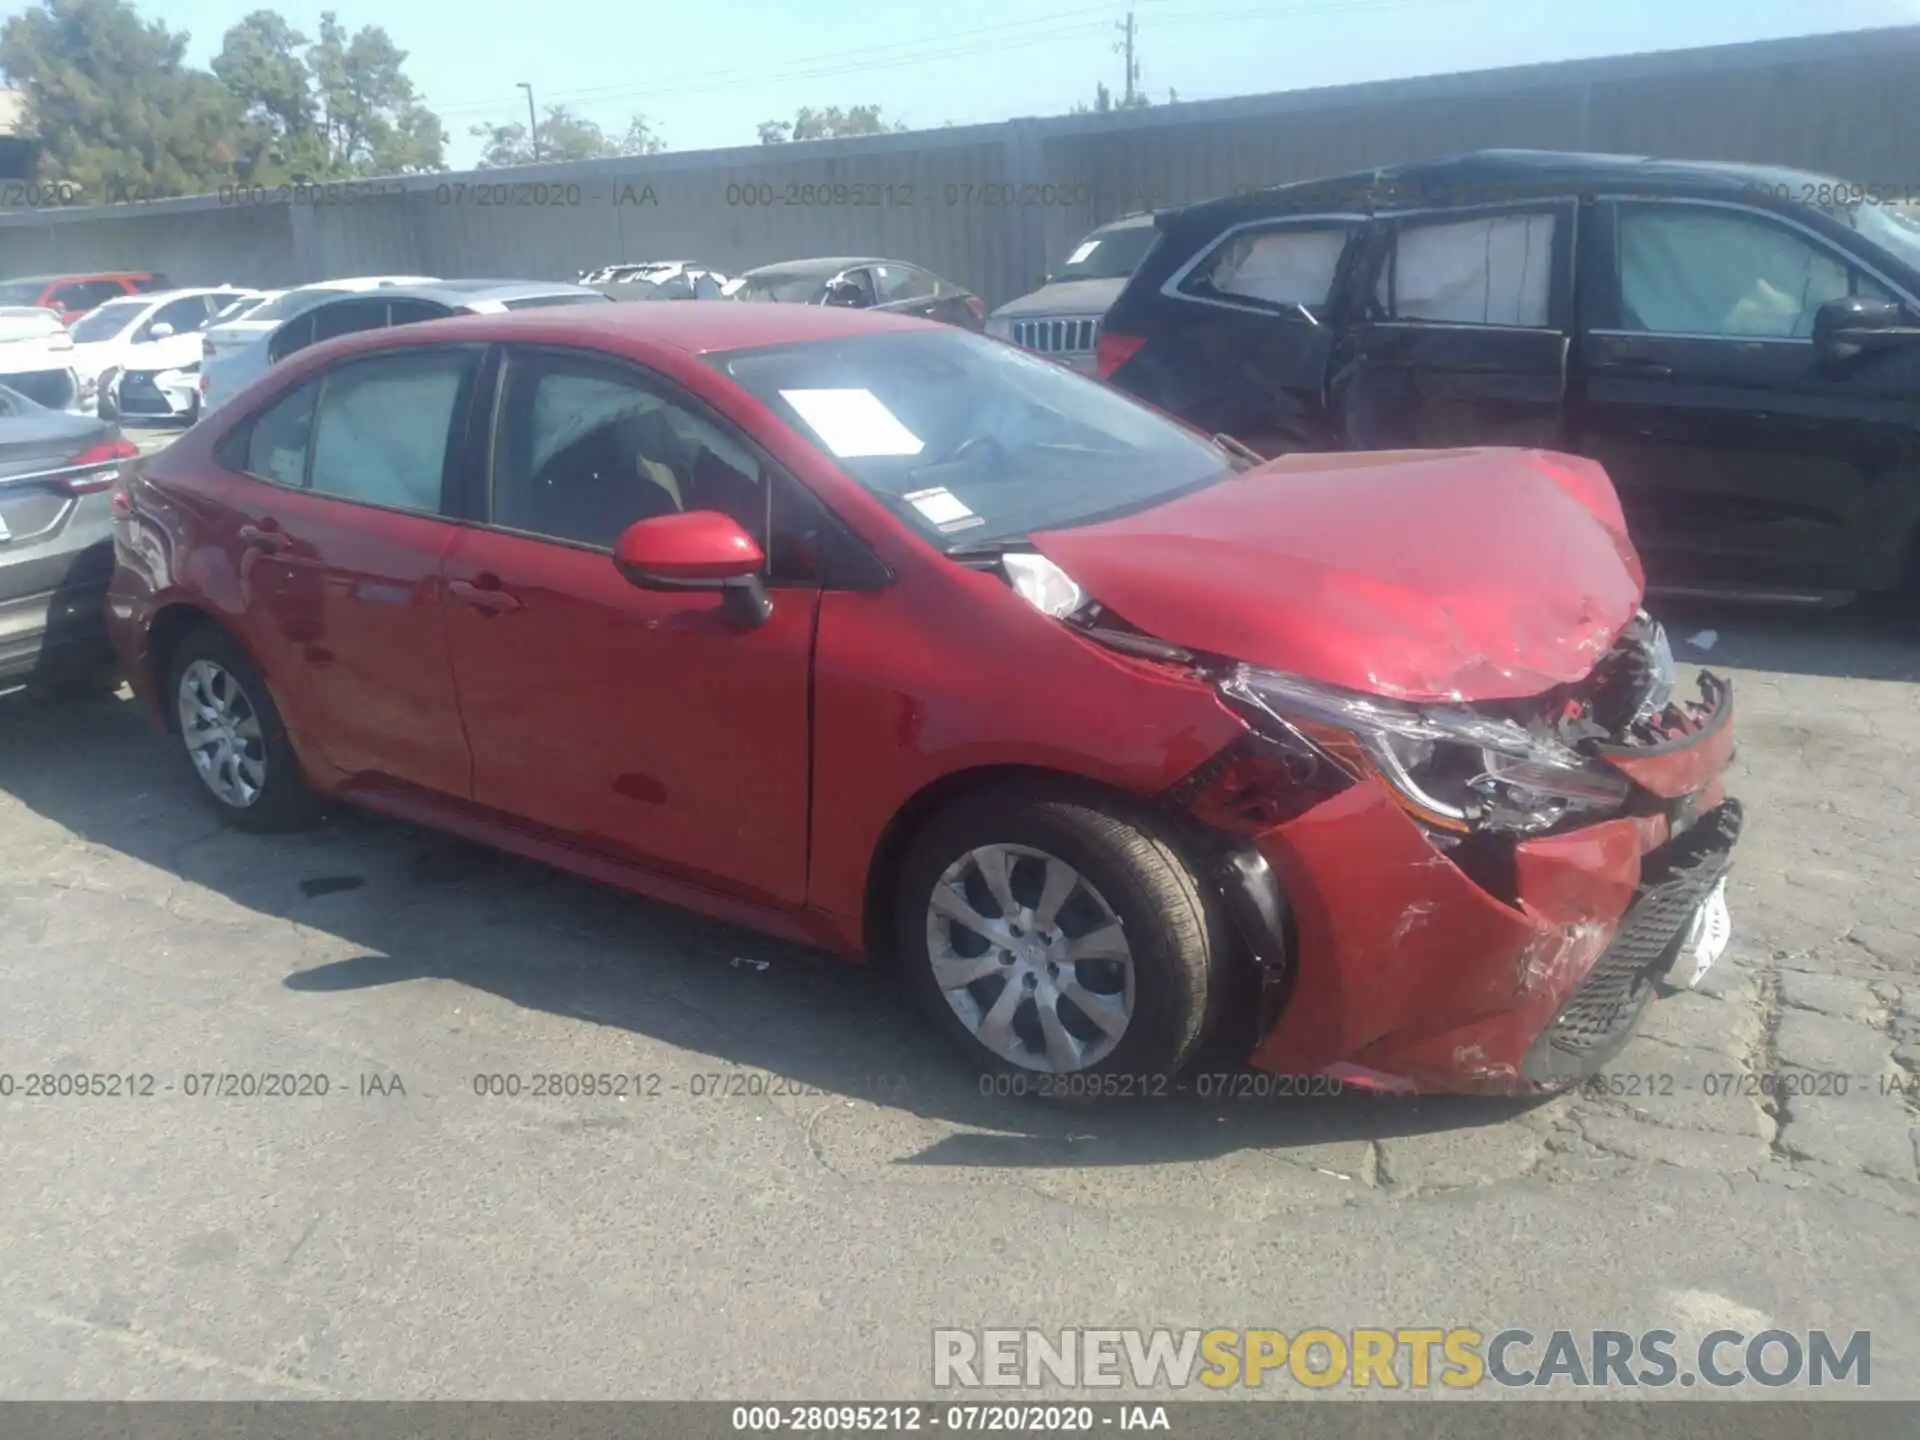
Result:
{"points": [[148, 334]]}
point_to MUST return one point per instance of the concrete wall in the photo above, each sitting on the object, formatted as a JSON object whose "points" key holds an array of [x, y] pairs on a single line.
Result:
{"points": [[991, 206]]}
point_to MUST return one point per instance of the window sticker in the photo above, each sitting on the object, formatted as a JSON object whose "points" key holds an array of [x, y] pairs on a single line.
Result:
{"points": [[1087, 247], [940, 507], [853, 423]]}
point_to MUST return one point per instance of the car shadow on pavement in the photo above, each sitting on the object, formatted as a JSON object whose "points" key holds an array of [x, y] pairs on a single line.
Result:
{"points": [[415, 905]]}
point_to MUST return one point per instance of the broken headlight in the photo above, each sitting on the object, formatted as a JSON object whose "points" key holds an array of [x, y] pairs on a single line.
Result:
{"points": [[1450, 766]]}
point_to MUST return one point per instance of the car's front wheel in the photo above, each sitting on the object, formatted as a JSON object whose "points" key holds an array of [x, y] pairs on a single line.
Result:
{"points": [[1061, 941], [232, 738]]}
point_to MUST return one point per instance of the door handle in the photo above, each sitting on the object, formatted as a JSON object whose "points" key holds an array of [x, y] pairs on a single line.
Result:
{"points": [[267, 537], [487, 599], [1649, 369]]}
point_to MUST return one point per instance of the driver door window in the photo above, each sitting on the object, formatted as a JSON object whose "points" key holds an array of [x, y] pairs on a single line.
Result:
{"points": [[584, 449], [1280, 269], [1704, 271], [184, 316]]}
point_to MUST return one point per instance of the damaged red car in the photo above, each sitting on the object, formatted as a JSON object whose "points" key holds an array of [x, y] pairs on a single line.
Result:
{"points": [[890, 639]]}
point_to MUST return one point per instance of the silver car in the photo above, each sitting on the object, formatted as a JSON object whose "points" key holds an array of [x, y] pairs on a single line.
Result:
{"points": [[1061, 320], [233, 347], [56, 542], [347, 314]]}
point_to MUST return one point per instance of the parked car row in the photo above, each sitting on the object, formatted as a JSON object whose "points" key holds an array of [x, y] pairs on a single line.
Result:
{"points": [[129, 345]]}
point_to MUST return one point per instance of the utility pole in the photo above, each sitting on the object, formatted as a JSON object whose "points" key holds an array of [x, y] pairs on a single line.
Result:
{"points": [[533, 125], [1126, 28]]}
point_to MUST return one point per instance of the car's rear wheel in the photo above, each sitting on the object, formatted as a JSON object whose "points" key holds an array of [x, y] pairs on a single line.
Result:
{"points": [[1062, 941], [232, 737]]}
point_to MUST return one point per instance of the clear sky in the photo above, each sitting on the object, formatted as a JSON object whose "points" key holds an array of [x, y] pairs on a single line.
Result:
{"points": [[707, 73]]}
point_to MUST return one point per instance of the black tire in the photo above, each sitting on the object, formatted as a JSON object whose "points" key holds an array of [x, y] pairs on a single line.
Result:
{"points": [[284, 801], [1180, 956]]}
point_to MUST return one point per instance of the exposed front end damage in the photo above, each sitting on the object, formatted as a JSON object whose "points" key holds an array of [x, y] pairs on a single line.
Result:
{"points": [[1493, 817], [1479, 898]]}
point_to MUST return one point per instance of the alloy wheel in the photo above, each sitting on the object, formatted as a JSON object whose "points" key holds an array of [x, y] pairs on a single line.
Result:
{"points": [[1031, 958], [222, 733]]}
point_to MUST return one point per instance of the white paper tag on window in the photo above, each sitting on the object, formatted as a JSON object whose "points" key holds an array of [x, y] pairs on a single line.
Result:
{"points": [[944, 510], [853, 423], [1086, 248]]}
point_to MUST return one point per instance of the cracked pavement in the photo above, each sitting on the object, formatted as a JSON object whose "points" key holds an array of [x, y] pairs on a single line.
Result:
{"points": [[802, 1184]]}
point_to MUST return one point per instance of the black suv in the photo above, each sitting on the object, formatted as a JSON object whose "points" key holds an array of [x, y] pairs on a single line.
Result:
{"points": [[1738, 345]]}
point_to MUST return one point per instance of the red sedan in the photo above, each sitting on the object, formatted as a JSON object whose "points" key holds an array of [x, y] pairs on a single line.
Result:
{"points": [[888, 638]]}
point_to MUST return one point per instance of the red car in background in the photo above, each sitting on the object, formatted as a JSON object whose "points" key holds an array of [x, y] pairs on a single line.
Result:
{"points": [[71, 296], [884, 637]]}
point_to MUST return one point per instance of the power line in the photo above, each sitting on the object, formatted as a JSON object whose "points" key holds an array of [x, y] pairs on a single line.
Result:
{"points": [[857, 54], [851, 61]]}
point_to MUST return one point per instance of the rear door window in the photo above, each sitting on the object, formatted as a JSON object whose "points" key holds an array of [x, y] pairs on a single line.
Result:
{"points": [[1278, 268], [275, 441], [1475, 270], [383, 427]]}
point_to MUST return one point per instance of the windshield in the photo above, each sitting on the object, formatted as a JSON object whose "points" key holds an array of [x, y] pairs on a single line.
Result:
{"points": [[1109, 254], [239, 309], [109, 320], [294, 302], [22, 292], [1893, 228], [972, 441], [785, 289]]}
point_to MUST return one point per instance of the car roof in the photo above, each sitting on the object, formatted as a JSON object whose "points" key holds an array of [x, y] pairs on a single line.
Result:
{"points": [[695, 327], [461, 292], [821, 265], [1492, 175], [163, 297], [80, 275]]}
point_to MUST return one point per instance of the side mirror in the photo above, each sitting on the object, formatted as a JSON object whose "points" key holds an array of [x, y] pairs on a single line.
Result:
{"points": [[160, 331], [844, 292], [697, 550], [1853, 324]]}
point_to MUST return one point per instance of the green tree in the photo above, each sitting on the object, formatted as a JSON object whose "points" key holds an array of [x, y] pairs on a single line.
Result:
{"points": [[116, 108], [370, 116], [262, 65], [563, 136], [832, 123]]}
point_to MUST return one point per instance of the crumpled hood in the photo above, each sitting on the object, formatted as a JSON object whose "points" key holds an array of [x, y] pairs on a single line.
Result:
{"points": [[1064, 297], [1417, 575]]}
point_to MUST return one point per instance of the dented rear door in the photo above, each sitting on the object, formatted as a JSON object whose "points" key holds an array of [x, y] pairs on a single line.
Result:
{"points": [[1462, 329]]}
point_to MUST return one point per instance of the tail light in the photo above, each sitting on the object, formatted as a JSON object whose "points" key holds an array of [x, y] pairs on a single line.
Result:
{"points": [[106, 453], [976, 308], [1115, 350]]}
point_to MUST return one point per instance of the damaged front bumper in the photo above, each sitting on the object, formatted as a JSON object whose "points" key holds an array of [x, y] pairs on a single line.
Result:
{"points": [[1414, 968]]}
